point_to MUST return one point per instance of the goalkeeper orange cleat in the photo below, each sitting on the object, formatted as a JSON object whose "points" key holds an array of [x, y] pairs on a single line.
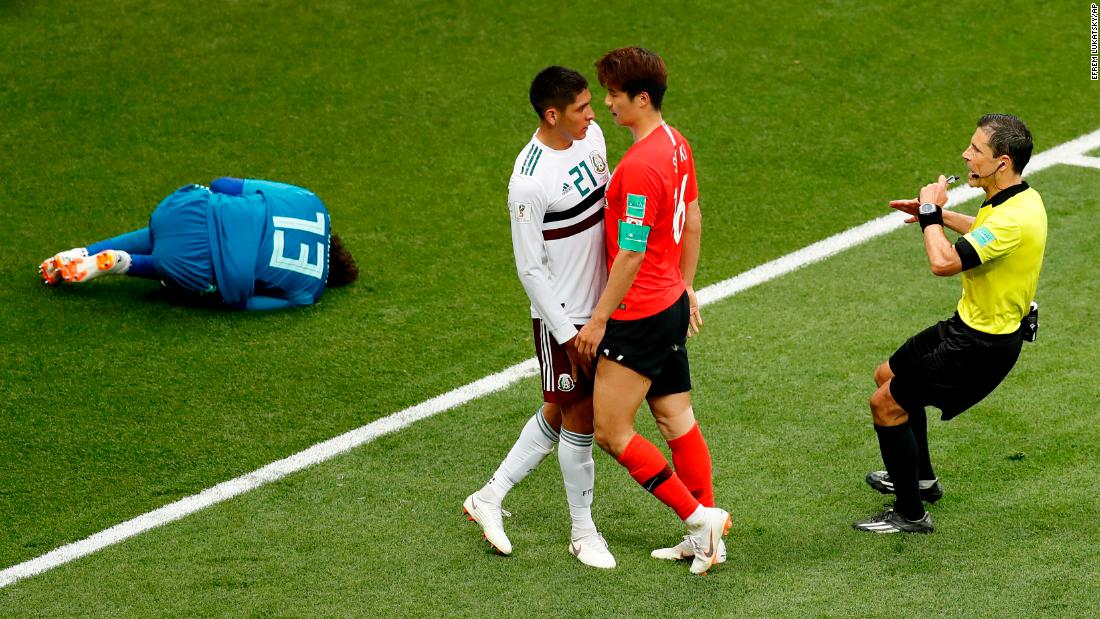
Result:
{"points": [[80, 270], [51, 268]]}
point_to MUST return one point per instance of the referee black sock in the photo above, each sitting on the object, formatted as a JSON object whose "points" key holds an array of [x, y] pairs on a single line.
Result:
{"points": [[899, 454], [919, 423]]}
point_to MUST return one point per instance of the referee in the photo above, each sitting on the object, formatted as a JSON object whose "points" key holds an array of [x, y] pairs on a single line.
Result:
{"points": [[954, 364]]}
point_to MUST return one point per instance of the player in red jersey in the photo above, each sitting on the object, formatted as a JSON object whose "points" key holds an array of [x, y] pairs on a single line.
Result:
{"points": [[641, 322]]}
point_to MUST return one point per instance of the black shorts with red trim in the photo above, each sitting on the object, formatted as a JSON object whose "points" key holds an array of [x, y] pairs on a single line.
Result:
{"points": [[654, 346], [558, 386], [951, 366]]}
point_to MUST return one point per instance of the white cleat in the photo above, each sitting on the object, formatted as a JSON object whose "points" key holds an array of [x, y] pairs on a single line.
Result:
{"points": [[82, 269], [490, 517], [592, 551], [705, 539], [684, 550], [50, 269]]}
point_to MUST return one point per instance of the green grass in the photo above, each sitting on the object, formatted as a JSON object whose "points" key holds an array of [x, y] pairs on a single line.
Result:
{"points": [[784, 409], [405, 119]]}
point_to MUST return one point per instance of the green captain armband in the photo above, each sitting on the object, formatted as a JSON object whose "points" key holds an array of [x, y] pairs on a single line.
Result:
{"points": [[632, 237]]}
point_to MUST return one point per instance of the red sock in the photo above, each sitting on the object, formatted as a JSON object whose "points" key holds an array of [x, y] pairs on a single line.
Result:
{"points": [[691, 458], [649, 468]]}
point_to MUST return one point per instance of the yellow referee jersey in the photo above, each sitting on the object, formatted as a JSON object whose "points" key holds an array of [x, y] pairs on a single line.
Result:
{"points": [[1001, 273]]}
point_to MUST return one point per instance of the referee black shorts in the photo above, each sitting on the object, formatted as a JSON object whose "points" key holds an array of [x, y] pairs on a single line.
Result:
{"points": [[654, 346], [951, 366]]}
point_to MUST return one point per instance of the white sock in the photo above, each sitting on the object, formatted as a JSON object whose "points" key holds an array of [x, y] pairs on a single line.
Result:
{"points": [[578, 471], [697, 518], [535, 442]]}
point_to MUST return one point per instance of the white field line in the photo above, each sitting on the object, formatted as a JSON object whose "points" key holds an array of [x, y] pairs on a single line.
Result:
{"points": [[1072, 152]]}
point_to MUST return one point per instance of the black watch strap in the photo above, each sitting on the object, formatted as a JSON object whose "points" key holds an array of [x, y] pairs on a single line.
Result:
{"points": [[926, 218]]}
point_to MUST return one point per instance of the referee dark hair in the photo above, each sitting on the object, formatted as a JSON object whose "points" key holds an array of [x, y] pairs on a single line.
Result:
{"points": [[952, 365]]}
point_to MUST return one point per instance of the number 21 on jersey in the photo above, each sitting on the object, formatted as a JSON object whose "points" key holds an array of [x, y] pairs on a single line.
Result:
{"points": [[575, 171]]}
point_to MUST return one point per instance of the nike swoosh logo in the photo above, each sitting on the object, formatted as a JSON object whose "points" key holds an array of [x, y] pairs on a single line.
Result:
{"points": [[573, 548], [713, 551], [715, 537]]}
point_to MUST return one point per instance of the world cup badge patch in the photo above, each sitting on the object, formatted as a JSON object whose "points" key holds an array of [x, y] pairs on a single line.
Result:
{"points": [[984, 236], [521, 212], [598, 162], [565, 383]]}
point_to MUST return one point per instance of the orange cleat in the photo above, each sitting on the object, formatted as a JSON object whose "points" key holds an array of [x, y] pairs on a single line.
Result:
{"points": [[52, 268], [104, 260], [50, 275], [72, 271], [89, 267]]}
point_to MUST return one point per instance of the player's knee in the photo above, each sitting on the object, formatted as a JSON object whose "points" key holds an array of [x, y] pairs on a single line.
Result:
{"points": [[884, 411], [603, 439], [664, 424], [878, 404], [879, 416], [577, 417], [552, 414], [676, 425], [883, 373], [609, 441]]}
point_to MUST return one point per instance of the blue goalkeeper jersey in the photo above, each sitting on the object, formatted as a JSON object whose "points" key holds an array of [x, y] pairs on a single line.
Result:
{"points": [[268, 243], [260, 244]]}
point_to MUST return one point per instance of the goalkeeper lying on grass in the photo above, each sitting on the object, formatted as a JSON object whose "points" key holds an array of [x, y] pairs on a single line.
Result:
{"points": [[254, 244]]}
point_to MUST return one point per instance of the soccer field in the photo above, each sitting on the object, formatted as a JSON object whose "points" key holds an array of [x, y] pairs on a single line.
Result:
{"points": [[405, 118]]}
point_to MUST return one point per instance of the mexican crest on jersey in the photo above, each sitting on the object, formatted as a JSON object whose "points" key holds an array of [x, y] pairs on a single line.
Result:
{"points": [[598, 162]]}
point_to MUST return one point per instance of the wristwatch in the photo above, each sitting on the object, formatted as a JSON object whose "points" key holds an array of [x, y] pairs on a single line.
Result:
{"points": [[929, 214]]}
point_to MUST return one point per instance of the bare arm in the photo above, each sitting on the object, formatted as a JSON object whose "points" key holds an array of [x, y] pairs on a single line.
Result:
{"points": [[942, 255], [956, 221], [689, 253], [689, 261]]}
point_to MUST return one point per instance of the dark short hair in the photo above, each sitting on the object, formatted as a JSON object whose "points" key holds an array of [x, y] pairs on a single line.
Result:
{"points": [[1008, 135], [342, 268], [555, 87], [634, 70]]}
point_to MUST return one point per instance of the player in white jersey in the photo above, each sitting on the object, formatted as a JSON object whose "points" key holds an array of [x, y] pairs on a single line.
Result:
{"points": [[556, 203]]}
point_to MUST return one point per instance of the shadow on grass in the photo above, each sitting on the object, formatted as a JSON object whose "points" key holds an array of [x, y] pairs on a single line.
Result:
{"points": [[138, 293], [157, 294]]}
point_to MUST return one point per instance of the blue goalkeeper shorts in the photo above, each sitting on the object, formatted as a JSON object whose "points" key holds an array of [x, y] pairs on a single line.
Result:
{"points": [[181, 239]]}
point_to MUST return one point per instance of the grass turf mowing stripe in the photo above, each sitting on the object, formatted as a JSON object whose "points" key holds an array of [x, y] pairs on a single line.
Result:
{"points": [[1071, 153]]}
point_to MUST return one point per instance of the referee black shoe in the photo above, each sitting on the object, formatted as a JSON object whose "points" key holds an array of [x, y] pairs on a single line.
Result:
{"points": [[930, 489], [889, 521]]}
